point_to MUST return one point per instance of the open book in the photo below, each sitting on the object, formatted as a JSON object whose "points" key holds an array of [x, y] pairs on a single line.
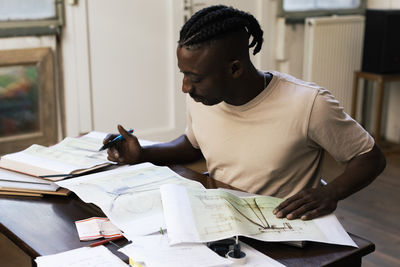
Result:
{"points": [[72, 156]]}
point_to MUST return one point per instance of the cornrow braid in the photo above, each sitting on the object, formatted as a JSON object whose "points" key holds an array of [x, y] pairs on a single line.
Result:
{"points": [[215, 21]]}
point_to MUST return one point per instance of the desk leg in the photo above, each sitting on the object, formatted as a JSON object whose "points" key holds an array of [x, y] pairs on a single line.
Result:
{"points": [[378, 115], [355, 91]]}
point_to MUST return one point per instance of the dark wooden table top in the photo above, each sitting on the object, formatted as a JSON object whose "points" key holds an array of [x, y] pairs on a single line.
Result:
{"points": [[44, 226]]}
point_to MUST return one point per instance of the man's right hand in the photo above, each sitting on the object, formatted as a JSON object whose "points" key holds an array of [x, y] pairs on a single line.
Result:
{"points": [[126, 151]]}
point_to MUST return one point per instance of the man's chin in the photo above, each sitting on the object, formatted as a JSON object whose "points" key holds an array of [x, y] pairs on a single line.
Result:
{"points": [[207, 102]]}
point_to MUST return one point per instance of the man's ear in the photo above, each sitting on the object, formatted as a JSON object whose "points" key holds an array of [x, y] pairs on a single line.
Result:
{"points": [[236, 69]]}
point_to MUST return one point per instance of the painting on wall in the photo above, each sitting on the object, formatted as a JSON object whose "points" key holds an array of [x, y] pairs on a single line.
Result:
{"points": [[27, 99], [19, 100]]}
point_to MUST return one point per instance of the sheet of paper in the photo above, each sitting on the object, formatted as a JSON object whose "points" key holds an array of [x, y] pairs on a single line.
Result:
{"points": [[333, 230], [129, 195], [10, 179], [255, 258], [96, 227], [65, 157], [82, 257], [217, 214], [155, 251], [328, 224]]}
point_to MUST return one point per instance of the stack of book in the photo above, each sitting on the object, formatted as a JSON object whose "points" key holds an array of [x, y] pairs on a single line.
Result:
{"points": [[33, 171]]}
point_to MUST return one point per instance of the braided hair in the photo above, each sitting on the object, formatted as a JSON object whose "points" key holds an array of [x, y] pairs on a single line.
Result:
{"points": [[214, 22]]}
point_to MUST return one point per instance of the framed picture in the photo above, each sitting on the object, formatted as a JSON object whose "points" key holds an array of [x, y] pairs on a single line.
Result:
{"points": [[27, 99]]}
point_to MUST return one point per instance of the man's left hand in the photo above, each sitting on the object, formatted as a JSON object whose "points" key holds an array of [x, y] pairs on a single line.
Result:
{"points": [[308, 204]]}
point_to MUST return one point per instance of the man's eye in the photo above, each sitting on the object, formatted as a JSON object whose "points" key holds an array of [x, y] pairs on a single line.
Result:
{"points": [[196, 80]]}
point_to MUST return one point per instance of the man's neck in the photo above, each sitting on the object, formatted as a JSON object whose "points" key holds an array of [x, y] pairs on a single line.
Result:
{"points": [[248, 87]]}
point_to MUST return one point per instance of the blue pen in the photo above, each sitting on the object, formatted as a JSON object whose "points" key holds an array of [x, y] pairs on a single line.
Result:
{"points": [[115, 140]]}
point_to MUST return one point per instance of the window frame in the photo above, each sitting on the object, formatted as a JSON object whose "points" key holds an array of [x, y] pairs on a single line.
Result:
{"points": [[300, 16], [51, 26]]}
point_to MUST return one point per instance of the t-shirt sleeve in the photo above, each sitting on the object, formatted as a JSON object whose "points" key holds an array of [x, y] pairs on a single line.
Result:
{"points": [[189, 130], [335, 131]]}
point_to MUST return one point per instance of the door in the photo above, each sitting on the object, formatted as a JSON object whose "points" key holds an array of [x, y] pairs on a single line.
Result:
{"points": [[120, 67]]}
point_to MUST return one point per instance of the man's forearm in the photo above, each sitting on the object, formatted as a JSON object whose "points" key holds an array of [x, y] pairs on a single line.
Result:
{"points": [[315, 202], [360, 172], [178, 151]]}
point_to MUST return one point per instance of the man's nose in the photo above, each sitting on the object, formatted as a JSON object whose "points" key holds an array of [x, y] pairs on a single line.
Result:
{"points": [[187, 86]]}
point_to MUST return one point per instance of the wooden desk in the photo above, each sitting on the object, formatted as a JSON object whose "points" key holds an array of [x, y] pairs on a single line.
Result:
{"points": [[381, 79], [43, 226]]}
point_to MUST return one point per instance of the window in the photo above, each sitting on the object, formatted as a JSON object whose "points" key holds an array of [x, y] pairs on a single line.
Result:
{"points": [[297, 10], [30, 17]]}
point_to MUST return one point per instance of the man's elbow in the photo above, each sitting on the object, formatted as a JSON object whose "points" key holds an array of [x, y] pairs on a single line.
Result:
{"points": [[379, 159], [382, 163]]}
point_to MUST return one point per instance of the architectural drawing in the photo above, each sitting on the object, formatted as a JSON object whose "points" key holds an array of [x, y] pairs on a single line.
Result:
{"points": [[221, 213], [218, 214], [261, 221], [129, 195]]}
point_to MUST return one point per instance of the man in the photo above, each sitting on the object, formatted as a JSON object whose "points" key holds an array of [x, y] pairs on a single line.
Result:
{"points": [[262, 132]]}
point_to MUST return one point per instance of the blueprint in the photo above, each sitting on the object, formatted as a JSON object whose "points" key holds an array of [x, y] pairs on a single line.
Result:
{"points": [[203, 215], [129, 195]]}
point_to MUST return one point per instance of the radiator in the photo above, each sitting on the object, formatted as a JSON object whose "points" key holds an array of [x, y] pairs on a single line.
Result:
{"points": [[332, 52]]}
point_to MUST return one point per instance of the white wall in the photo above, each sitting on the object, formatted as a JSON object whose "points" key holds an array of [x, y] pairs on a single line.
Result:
{"points": [[76, 71], [290, 51], [132, 59]]}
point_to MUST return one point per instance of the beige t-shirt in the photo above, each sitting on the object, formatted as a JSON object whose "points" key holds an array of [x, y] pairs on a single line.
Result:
{"points": [[274, 144]]}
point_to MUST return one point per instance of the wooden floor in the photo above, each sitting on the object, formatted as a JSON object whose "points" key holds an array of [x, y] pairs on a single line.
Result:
{"points": [[373, 213]]}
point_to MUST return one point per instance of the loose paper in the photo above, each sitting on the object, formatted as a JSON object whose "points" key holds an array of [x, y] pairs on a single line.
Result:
{"points": [[129, 195], [82, 257], [155, 251]]}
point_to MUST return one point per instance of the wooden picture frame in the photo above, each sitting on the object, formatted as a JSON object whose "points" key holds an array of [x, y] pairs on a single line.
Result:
{"points": [[28, 112]]}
